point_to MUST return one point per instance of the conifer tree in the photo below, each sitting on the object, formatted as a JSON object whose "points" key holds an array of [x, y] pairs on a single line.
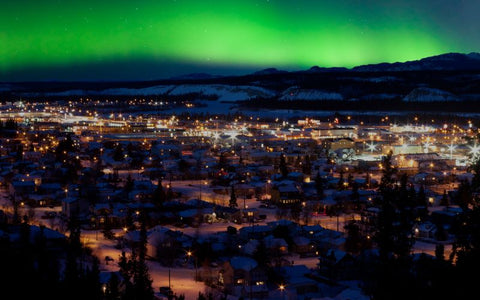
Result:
{"points": [[233, 198], [341, 182], [159, 195], [394, 240], [445, 201], [142, 283], [283, 166], [319, 185], [307, 166]]}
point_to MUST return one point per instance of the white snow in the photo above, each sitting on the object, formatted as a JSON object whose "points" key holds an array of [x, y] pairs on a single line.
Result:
{"points": [[295, 93], [423, 94], [373, 79], [382, 96], [153, 90], [223, 92]]}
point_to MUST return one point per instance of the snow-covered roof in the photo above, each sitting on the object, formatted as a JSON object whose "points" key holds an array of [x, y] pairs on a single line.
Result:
{"points": [[301, 241], [243, 263], [250, 247], [339, 254]]}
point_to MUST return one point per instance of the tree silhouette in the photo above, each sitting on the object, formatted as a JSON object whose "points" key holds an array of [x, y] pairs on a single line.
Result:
{"points": [[341, 182], [283, 166], [319, 185], [354, 242], [129, 184], [142, 283], [118, 153], [159, 196], [394, 238], [307, 165], [233, 198], [445, 201], [134, 270]]}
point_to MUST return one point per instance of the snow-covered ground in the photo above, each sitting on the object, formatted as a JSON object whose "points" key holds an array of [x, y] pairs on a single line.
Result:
{"points": [[181, 280], [423, 94], [295, 93], [221, 91]]}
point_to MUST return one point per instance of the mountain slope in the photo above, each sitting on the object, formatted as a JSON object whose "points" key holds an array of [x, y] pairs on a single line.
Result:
{"points": [[443, 62]]}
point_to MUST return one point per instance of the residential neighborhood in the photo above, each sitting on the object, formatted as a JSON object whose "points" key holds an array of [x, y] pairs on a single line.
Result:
{"points": [[232, 206]]}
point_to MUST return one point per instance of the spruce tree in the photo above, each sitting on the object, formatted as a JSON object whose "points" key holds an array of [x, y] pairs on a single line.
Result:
{"points": [[283, 166], [159, 195], [307, 166], [445, 201], [319, 185], [394, 239], [129, 184], [112, 292], [142, 283], [421, 197], [233, 198], [341, 182]]}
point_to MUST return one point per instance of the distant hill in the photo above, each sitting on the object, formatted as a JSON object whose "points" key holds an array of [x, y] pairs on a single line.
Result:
{"points": [[443, 62], [452, 79], [195, 76], [270, 71]]}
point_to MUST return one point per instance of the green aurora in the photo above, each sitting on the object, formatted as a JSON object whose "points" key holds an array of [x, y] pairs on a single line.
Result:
{"points": [[245, 33]]}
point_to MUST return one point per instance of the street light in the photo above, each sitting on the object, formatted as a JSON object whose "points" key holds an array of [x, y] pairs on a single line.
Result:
{"points": [[189, 254], [267, 188], [282, 289]]}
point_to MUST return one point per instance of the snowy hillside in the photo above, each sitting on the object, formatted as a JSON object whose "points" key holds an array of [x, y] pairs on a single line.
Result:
{"points": [[295, 93], [380, 97], [152, 90], [424, 94], [223, 92], [4, 87], [447, 61]]}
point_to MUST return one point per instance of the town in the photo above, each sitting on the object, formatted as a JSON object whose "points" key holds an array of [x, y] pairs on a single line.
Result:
{"points": [[233, 206]]}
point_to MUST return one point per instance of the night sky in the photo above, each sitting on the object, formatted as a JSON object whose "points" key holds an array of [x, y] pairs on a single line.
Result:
{"points": [[148, 39]]}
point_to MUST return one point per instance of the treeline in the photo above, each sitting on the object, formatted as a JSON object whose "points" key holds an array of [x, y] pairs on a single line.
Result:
{"points": [[397, 273], [32, 269]]}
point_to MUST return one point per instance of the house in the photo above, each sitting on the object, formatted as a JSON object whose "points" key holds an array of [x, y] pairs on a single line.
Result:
{"points": [[250, 214], [53, 239], [337, 144], [21, 188], [50, 188], [303, 246], [111, 281], [292, 226], [228, 213], [41, 200], [446, 217], [74, 207], [296, 280], [337, 265], [194, 216], [288, 193], [425, 230], [277, 246], [159, 237], [242, 277], [255, 232], [101, 214]]}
